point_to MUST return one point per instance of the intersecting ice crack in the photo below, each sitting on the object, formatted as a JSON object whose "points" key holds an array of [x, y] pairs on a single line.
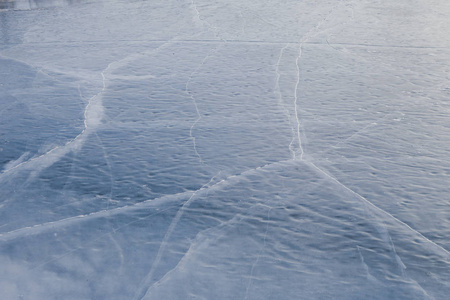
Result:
{"points": [[147, 281], [209, 26], [298, 155], [219, 232], [297, 150], [45, 227], [295, 147], [175, 198], [101, 236], [93, 115], [371, 210]]}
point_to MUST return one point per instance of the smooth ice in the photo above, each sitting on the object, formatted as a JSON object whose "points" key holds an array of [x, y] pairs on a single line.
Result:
{"points": [[224, 149]]}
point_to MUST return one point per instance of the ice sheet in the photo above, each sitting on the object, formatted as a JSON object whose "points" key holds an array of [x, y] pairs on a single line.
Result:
{"points": [[224, 149]]}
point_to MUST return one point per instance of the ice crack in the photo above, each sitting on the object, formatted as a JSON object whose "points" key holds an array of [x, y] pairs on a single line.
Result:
{"points": [[194, 101], [280, 96], [258, 256], [383, 231], [297, 154], [297, 150], [147, 281]]}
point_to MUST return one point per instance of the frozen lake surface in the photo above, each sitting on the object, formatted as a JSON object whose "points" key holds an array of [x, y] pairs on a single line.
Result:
{"points": [[224, 149]]}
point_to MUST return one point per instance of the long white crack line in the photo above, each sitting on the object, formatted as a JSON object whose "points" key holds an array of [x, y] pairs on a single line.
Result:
{"points": [[146, 283]]}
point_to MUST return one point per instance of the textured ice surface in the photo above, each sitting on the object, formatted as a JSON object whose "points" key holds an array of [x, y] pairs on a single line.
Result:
{"points": [[224, 149]]}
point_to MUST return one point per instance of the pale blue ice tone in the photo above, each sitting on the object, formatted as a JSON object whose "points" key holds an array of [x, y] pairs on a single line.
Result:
{"points": [[225, 149]]}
